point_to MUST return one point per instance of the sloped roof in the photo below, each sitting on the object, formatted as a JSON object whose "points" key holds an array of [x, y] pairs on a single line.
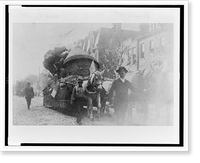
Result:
{"points": [[125, 34], [78, 53], [107, 34]]}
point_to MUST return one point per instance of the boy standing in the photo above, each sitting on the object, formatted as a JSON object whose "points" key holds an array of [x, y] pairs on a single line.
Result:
{"points": [[78, 99]]}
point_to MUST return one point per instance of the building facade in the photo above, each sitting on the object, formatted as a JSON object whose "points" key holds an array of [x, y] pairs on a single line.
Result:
{"points": [[102, 44], [114, 47], [156, 44]]}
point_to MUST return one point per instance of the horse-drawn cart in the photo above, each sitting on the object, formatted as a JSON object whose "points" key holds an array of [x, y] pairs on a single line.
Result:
{"points": [[77, 64]]}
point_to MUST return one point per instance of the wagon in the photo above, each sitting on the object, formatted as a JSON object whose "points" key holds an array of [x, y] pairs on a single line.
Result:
{"points": [[77, 64]]}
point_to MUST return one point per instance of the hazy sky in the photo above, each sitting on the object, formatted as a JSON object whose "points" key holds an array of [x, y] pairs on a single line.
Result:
{"points": [[32, 40], [34, 31]]}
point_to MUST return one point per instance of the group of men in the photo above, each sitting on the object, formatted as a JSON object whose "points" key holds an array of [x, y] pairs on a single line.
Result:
{"points": [[119, 87]]}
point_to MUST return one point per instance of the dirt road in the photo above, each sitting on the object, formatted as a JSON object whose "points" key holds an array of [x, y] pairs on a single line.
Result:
{"points": [[39, 115]]}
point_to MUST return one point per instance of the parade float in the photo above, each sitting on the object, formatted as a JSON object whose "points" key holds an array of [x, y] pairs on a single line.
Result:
{"points": [[66, 67]]}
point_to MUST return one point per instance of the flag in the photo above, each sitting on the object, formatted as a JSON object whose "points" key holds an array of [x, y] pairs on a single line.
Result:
{"points": [[97, 40], [88, 46], [92, 67]]}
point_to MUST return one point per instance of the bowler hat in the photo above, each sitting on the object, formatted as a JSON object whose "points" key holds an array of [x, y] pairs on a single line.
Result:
{"points": [[121, 68]]}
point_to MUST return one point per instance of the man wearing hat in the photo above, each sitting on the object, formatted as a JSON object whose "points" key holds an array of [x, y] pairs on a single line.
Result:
{"points": [[77, 98], [120, 86], [29, 94]]}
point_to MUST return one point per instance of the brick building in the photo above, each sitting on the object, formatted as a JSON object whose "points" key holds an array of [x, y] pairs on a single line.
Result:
{"points": [[133, 49], [155, 44], [101, 44]]}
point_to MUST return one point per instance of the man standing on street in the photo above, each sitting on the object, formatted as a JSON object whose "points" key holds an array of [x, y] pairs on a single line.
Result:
{"points": [[29, 94], [120, 86], [77, 98]]}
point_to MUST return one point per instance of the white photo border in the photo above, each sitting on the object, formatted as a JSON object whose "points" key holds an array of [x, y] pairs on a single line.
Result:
{"points": [[182, 145]]}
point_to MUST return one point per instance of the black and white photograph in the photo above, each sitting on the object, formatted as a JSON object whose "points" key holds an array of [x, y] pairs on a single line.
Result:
{"points": [[108, 74], [95, 75]]}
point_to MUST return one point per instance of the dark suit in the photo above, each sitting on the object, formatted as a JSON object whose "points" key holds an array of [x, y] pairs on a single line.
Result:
{"points": [[78, 98], [29, 94], [121, 98]]}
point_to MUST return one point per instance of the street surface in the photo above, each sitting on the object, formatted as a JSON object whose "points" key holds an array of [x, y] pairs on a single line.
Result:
{"points": [[39, 115]]}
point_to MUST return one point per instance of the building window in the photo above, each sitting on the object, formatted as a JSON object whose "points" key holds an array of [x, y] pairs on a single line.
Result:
{"points": [[133, 58], [129, 56], [162, 41], [142, 50], [151, 44], [151, 47], [134, 51]]}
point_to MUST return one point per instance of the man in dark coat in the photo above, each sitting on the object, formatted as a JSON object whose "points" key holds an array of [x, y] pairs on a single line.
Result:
{"points": [[29, 94], [120, 86], [77, 98]]}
